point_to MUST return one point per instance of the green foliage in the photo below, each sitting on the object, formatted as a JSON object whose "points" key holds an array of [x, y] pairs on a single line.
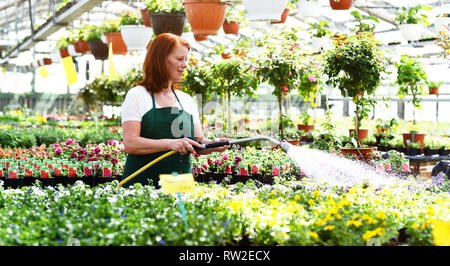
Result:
{"points": [[63, 42], [110, 26], [409, 74], [413, 15], [93, 33], [362, 19], [130, 19], [434, 84], [234, 14], [165, 6], [320, 29]]}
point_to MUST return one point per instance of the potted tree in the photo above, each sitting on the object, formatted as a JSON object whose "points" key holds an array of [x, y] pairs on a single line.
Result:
{"points": [[265, 10], [341, 4], [365, 23], [205, 16], [307, 88], [113, 36], [98, 48], [409, 76], [320, 32], [166, 16], [433, 86], [135, 35], [356, 69], [411, 21]]}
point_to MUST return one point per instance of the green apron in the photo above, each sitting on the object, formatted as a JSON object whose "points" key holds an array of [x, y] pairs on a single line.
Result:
{"points": [[157, 124]]}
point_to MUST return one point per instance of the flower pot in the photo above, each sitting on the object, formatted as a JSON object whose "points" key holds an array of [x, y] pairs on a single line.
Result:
{"points": [[47, 61], [264, 9], [341, 4], [71, 50], [81, 46], [293, 142], [411, 32], [418, 137], [205, 17], [98, 49], [136, 37], [305, 128], [200, 37], [118, 45], [413, 151], [443, 152], [365, 152], [310, 8], [433, 90], [284, 16], [64, 53], [362, 134], [231, 27], [145, 17], [226, 56], [172, 23]]}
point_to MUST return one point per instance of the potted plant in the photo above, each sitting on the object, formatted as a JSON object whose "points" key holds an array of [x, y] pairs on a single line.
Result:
{"points": [[310, 8], [265, 10], [81, 45], [279, 66], [62, 44], [166, 16], [430, 147], [320, 32], [409, 76], [232, 21], [145, 17], [413, 148], [365, 23], [307, 88], [411, 21], [341, 4], [98, 48], [356, 69], [384, 129], [433, 86], [292, 135], [113, 36], [135, 35], [205, 17]]}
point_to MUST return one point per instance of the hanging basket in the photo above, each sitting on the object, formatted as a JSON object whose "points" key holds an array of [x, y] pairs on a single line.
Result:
{"points": [[98, 49], [411, 32], [265, 9], [136, 37], [433, 90], [231, 27], [118, 45], [172, 23], [200, 37], [81, 46], [284, 16], [310, 8], [205, 17], [145, 18], [64, 53], [341, 4], [47, 61]]}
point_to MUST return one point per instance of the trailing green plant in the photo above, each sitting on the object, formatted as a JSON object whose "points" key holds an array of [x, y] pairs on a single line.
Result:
{"points": [[165, 6], [433, 84], [320, 29], [94, 33], [130, 19], [365, 22], [63, 42], [234, 13], [410, 75], [110, 26], [413, 15]]}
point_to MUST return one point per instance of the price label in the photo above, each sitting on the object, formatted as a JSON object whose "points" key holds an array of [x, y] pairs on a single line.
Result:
{"points": [[441, 233], [177, 183]]}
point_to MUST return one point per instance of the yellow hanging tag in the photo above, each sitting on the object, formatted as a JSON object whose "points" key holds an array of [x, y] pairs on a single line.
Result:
{"points": [[43, 72], [177, 183], [69, 67], [3, 69], [441, 233], [112, 69]]}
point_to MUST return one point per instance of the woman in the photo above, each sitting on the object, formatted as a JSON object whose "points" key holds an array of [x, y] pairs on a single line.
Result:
{"points": [[156, 117]]}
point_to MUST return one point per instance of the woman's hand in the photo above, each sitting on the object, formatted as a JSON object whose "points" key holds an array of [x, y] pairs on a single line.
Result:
{"points": [[183, 145]]}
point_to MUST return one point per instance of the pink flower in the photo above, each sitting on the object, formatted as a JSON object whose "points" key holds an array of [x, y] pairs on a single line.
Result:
{"points": [[387, 167], [312, 79], [290, 74], [237, 159], [285, 89], [243, 171], [69, 142], [225, 157], [380, 168], [405, 167], [275, 170], [255, 169], [218, 162], [114, 161], [58, 151], [97, 149]]}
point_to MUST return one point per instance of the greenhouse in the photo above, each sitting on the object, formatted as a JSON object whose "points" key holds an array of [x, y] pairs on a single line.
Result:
{"points": [[218, 123]]}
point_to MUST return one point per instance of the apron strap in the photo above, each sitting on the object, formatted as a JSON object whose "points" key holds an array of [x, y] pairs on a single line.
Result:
{"points": [[182, 109]]}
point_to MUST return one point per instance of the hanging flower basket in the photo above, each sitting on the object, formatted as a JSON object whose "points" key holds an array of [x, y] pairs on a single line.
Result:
{"points": [[64, 53], [205, 17], [341, 4], [81, 46], [231, 27], [284, 16], [433, 90], [47, 61], [118, 45], [200, 37], [98, 49], [136, 37], [310, 8], [145, 17], [411, 32], [265, 9], [166, 22]]}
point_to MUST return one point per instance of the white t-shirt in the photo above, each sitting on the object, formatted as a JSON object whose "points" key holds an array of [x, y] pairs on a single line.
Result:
{"points": [[138, 102]]}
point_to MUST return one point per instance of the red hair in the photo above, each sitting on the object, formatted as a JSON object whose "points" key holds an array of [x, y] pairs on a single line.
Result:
{"points": [[154, 68]]}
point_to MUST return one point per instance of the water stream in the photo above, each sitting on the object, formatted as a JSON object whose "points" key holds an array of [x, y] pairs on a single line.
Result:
{"points": [[336, 170]]}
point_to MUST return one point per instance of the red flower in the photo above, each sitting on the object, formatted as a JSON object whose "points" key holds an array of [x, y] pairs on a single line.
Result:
{"points": [[114, 161]]}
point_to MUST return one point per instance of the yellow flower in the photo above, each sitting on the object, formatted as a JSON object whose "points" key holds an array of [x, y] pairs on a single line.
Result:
{"points": [[355, 223], [311, 202], [415, 226], [236, 205], [313, 234], [368, 235], [297, 197], [338, 216], [329, 227], [382, 215], [316, 193], [379, 231], [320, 222]]}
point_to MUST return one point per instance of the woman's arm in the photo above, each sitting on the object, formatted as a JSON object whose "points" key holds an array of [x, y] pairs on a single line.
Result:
{"points": [[135, 144]]}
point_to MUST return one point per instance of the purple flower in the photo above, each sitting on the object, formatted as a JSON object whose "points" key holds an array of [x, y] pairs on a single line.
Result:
{"points": [[312, 79]]}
